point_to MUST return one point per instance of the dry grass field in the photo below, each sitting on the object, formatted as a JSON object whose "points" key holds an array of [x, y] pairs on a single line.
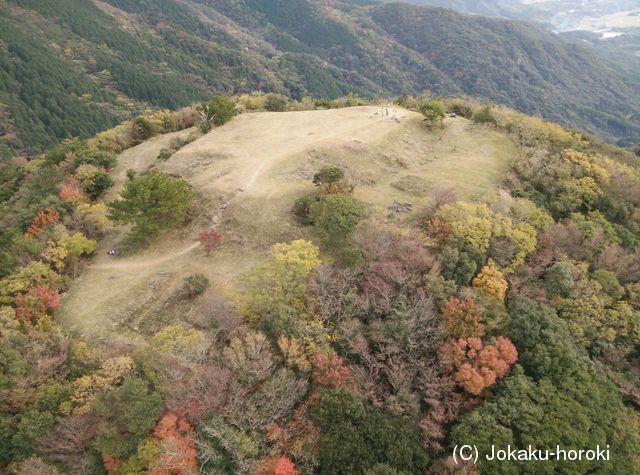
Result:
{"points": [[247, 175]]}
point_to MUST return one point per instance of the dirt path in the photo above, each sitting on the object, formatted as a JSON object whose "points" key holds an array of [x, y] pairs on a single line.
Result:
{"points": [[128, 264]]}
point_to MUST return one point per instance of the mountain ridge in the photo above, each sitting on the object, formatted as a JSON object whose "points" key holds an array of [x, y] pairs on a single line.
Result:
{"points": [[107, 60]]}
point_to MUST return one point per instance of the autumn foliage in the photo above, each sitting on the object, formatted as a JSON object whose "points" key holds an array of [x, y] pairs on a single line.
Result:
{"points": [[36, 302], [41, 220], [111, 464], [462, 318], [71, 194], [174, 436], [276, 466], [439, 229], [210, 239], [476, 366], [71, 191], [332, 372], [492, 282]]}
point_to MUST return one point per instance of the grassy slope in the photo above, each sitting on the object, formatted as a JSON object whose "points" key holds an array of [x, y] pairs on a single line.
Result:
{"points": [[247, 175]]}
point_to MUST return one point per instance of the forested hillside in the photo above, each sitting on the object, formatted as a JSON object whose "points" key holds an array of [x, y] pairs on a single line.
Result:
{"points": [[74, 67], [276, 306]]}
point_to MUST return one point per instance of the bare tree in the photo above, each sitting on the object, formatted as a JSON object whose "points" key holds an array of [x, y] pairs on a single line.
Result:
{"points": [[68, 441]]}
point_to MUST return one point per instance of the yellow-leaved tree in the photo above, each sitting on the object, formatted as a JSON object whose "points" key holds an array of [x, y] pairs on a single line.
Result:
{"points": [[491, 282], [273, 293]]}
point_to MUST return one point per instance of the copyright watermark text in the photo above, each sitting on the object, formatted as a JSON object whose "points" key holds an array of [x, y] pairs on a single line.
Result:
{"points": [[470, 453]]}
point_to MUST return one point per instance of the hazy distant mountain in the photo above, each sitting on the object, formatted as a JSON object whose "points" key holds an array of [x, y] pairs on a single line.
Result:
{"points": [[564, 15]]}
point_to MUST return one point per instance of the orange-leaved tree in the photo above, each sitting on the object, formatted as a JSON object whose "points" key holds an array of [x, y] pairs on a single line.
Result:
{"points": [[177, 449], [275, 466], [476, 366], [42, 219]]}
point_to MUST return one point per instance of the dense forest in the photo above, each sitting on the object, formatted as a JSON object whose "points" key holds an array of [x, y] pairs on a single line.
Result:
{"points": [[374, 347], [73, 67]]}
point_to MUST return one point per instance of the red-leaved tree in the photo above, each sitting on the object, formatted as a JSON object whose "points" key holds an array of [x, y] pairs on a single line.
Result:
{"points": [[210, 239], [476, 366]]}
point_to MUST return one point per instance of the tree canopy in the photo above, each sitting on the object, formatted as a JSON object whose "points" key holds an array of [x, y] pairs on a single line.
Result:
{"points": [[151, 203]]}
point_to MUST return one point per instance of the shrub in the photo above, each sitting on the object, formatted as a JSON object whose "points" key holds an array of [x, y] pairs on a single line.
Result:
{"points": [[166, 154], [276, 103], [322, 103], [328, 175], [194, 285], [142, 128], [210, 239], [462, 110], [433, 113], [94, 181], [251, 102], [218, 111], [302, 208], [336, 217], [331, 180], [222, 109], [185, 118], [87, 155], [484, 116], [204, 126]]}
